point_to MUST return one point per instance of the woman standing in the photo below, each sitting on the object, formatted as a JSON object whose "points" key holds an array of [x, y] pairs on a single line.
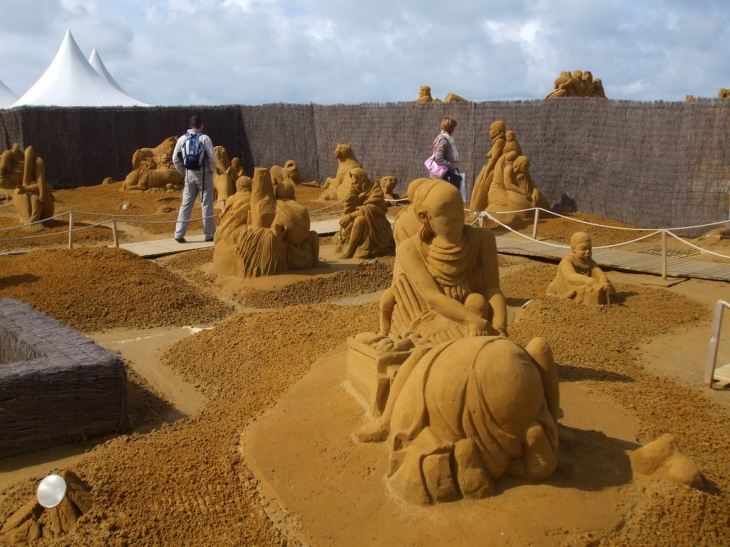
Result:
{"points": [[445, 152]]}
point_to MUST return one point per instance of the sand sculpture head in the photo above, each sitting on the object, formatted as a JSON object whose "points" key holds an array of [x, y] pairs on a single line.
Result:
{"points": [[424, 91], [243, 184], [439, 208], [496, 129], [581, 247], [292, 170], [359, 179], [388, 183], [520, 164], [344, 151], [510, 136]]}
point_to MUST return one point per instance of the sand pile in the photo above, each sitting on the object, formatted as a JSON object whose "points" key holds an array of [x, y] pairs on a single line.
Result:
{"points": [[93, 289]]}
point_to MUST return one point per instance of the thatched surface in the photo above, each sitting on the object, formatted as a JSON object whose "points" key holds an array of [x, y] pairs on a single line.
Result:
{"points": [[648, 164], [65, 388]]}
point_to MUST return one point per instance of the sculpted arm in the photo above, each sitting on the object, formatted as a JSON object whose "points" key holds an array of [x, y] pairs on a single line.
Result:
{"points": [[571, 276], [492, 293], [428, 288], [495, 153], [600, 277]]}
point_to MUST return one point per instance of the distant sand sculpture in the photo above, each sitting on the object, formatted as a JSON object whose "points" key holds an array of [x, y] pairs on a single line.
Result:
{"points": [[424, 97], [577, 84], [480, 192], [387, 184], [275, 238], [152, 169], [226, 174], [579, 278], [439, 362], [339, 187], [290, 171], [365, 231], [33, 197], [12, 164]]}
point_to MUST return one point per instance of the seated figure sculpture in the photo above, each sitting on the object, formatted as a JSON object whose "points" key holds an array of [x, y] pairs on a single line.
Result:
{"points": [[263, 235], [468, 406], [338, 187], [579, 278], [33, 197], [235, 216], [578, 84], [365, 231]]}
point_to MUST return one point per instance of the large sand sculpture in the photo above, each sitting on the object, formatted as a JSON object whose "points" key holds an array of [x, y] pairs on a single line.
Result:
{"points": [[577, 84], [226, 174], [33, 196], [579, 278], [338, 187], [504, 182], [365, 231], [466, 406], [290, 172], [262, 235]]}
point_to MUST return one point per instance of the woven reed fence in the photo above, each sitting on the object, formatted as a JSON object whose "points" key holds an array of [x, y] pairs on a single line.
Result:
{"points": [[55, 384], [650, 164]]}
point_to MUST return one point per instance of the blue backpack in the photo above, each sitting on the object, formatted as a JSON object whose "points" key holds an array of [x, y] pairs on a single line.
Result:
{"points": [[193, 152]]}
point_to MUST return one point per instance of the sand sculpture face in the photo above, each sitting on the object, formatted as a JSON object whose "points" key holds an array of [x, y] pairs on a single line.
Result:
{"points": [[365, 231], [439, 436], [579, 278], [496, 129]]}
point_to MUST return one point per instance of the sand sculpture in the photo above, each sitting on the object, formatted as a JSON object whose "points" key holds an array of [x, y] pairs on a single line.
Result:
{"points": [[504, 182], [365, 231], [262, 235], [339, 187], [662, 459], [388, 184], [512, 189], [723, 93], [406, 221], [579, 278], [289, 171], [466, 406], [165, 148], [152, 169], [480, 192], [577, 84], [33, 196], [26, 525], [12, 163], [227, 173], [424, 97]]}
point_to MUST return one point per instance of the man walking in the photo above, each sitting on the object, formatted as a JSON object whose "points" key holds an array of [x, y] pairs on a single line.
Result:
{"points": [[194, 159]]}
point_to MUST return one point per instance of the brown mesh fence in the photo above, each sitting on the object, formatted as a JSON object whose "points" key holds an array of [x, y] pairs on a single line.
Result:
{"points": [[650, 164]]}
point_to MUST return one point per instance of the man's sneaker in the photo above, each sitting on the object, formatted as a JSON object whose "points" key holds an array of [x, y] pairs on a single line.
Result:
{"points": [[208, 239], [180, 239]]}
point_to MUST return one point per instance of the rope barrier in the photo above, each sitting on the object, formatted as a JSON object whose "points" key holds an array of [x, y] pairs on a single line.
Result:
{"points": [[695, 246]]}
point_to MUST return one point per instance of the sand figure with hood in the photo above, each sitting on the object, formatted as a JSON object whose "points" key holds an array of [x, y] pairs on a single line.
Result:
{"points": [[468, 406], [339, 187], [365, 231], [33, 197], [513, 189], [275, 238], [579, 278], [235, 216], [480, 193]]}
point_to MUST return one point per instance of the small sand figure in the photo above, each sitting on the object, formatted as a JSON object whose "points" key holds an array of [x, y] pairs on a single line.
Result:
{"points": [[33, 198], [365, 231], [579, 278]]}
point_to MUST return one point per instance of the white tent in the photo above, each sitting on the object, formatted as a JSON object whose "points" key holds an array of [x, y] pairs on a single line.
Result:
{"points": [[7, 97], [98, 64], [71, 81]]}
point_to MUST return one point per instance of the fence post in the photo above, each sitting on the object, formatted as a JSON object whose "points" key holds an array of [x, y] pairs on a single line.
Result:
{"points": [[534, 224], [115, 233], [714, 342], [481, 220], [70, 229], [664, 254]]}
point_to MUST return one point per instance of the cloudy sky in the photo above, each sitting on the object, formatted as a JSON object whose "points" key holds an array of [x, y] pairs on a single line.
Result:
{"points": [[169, 52]]}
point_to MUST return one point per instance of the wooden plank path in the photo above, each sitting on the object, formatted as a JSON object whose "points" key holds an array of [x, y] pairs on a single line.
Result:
{"points": [[620, 260], [609, 258]]}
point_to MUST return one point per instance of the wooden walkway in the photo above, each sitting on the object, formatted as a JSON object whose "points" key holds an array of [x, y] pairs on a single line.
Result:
{"points": [[620, 260]]}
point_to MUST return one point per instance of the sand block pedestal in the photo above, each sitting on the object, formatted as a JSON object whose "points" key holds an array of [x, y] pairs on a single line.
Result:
{"points": [[370, 371]]}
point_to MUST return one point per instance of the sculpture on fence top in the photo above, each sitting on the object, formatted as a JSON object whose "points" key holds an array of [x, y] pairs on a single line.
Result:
{"points": [[339, 187], [424, 97], [480, 192], [467, 406], [513, 189], [365, 231], [723, 93], [577, 84], [33, 197], [274, 239], [579, 278]]}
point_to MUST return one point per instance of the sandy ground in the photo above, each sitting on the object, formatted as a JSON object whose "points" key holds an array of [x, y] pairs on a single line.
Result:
{"points": [[181, 478]]}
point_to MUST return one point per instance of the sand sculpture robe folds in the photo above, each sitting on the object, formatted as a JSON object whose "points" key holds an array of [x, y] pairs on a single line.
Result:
{"points": [[463, 420], [377, 238]]}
